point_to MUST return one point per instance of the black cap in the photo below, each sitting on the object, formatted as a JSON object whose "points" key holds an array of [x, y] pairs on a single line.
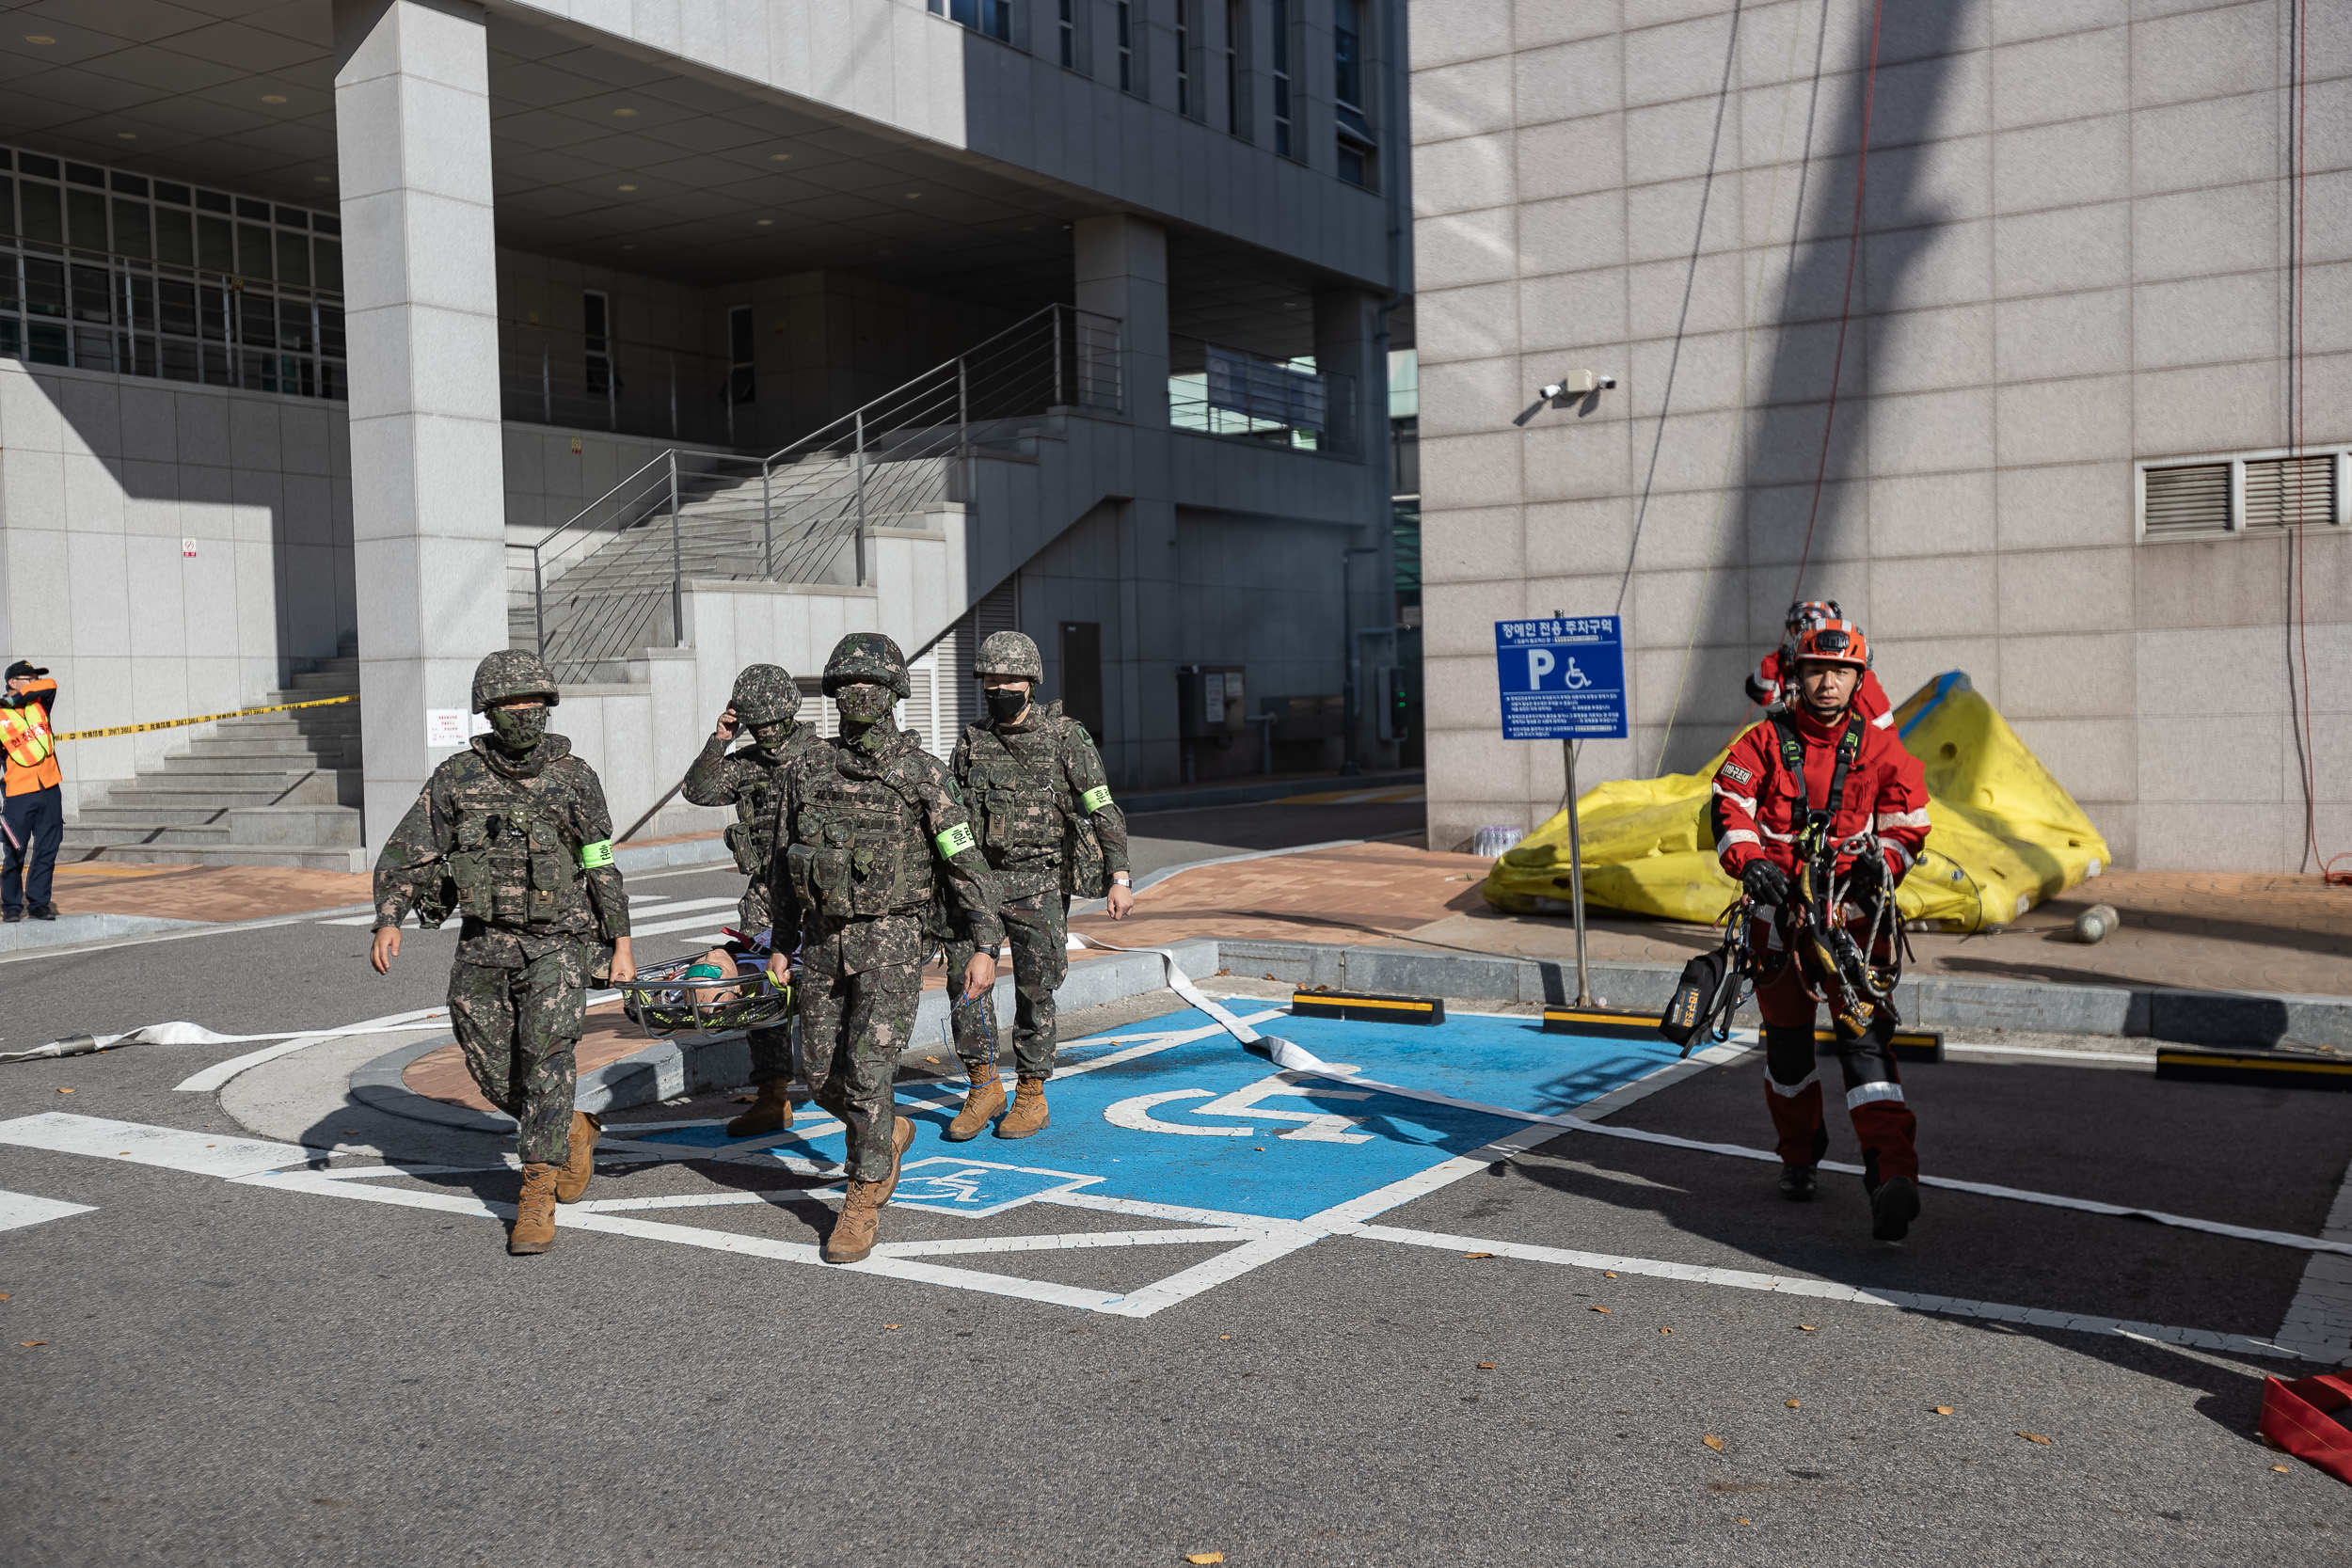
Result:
{"points": [[25, 668]]}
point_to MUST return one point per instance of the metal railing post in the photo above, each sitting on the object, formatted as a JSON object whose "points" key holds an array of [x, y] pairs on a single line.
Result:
{"points": [[767, 525], [858, 456], [546, 388], [539, 606], [1058, 400], [673, 394], [677, 565], [963, 405]]}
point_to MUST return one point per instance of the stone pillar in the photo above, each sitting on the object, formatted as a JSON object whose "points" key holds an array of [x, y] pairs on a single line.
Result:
{"points": [[412, 119], [1123, 272]]}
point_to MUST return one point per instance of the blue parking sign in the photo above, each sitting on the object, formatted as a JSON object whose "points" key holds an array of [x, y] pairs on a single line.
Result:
{"points": [[1563, 678]]}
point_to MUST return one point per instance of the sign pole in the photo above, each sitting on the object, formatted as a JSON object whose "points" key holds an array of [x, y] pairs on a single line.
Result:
{"points": [[1576, 875]]}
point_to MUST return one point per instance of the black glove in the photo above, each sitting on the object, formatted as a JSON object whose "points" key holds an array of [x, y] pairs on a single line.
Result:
{"points": [[1866, 878], [1765, 883]]}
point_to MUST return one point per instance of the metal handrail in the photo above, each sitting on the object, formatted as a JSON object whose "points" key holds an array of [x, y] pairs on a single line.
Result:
{"points": [[815, 495]]}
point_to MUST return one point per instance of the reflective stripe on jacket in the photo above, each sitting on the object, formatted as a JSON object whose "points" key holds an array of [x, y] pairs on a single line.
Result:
{"points": [[1758, 805]]}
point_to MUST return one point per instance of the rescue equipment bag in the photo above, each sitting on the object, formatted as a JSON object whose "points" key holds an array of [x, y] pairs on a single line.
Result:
{"points": [[1708, 989]]}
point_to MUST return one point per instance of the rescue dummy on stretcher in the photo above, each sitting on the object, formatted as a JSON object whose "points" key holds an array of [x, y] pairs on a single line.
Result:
{"points": [[727, 988]]}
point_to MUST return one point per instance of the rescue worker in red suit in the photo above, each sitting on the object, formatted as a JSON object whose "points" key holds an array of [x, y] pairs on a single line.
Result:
{"points": [[1768, 688], [1760, 809]]}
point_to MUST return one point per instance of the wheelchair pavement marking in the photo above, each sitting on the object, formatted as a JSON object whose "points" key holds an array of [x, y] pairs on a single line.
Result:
{"points": [[198, 1153], [18, 1210]]}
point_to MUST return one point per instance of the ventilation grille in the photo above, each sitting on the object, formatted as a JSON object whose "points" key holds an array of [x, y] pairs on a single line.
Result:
{"points": [[2188, 501], [2281, 492]]}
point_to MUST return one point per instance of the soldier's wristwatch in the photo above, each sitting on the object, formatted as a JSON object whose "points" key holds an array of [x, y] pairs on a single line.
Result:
{"points": [[1121, 879]]}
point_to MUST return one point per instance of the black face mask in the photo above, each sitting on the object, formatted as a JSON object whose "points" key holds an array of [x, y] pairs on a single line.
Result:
{"points": [[1005, 703], [516, 730], [770, 738]]}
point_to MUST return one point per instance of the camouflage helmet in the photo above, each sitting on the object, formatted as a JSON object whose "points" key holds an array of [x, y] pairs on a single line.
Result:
{"points": [[511, 673], [866, 655], [765, 694], [1009, 653]]}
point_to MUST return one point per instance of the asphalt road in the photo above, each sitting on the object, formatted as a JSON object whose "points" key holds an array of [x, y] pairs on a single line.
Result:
{"points": [[232, 1375]]}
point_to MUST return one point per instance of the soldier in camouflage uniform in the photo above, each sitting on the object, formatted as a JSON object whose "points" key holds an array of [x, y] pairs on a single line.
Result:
{"points": [[1038, 793], [765, 701], [872, 847], [513, 831]]}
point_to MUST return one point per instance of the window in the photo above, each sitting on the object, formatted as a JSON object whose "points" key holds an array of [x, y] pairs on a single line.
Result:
{"points": [[151, 286], [2213, 498], [742, 385], [595, 325], [1236, 28], [992, 17], [1184, 104], [1279, 15], [1069, 35], [1126, 46], [1347, 91]]}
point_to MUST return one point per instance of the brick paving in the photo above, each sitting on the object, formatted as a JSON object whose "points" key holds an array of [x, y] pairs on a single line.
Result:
{"points": [[222, 892]]}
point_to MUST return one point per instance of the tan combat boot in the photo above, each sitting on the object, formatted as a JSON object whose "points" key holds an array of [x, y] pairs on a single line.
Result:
{"points": [[1028, 1114], [980, 1105], [772, 1112], [535, 1215], [860, 1222], [571, 1182]]}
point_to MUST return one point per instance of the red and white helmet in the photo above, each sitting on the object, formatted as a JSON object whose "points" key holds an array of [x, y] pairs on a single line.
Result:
{"points": [[1808, 613], [1834, 641]]}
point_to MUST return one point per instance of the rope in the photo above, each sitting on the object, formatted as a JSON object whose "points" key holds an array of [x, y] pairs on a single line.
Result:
{"points": [[1845, 309], [1740, 409], [199, 719]]}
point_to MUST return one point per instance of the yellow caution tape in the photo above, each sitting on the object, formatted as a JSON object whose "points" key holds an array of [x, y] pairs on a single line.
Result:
{"points": [[199, 719]]}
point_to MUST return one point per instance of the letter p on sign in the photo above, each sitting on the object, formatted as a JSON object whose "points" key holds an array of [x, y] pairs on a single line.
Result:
{"points": [[1539, 664]]}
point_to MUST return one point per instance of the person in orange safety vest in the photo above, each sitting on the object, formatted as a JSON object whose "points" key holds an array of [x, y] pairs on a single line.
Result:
{"points": [[1822, 771], [34, 818]]}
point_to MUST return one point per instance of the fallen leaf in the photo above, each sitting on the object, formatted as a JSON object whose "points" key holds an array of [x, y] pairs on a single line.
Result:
{"points": [[28, 1344], [1741, 1521], [1204, 1557], [2035, 1437], [2281, 1470], [1478, 1255], [890, 1325], [1796, 1404], [1806, 1328], [930, 1058], [1598, 1309], [1713, 1442], [1665, 1331], [1609, 1274], [123, 1153], [4, 1295], [65, 1091], [1224, 1336], [1485, 1366], [1261, 1149], [1943, 1409]]}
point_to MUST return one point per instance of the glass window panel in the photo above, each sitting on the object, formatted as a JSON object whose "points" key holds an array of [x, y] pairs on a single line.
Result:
{"points": [[33, 163], [11, 338], [176, 307], [211, 309], [93, 348], [93, 295], [294, 324], [8, 284], [141, 303], [212, 201], [46, 343], [44, 287], [293, 217], [331, 332], [215, 366], [248, 208], [179, 361], [131, 227], [328, 256], [84, 174], [166, 192], [174, 241], [253, 252], [257, 319], [130, 185], [294, 258], [86, 219], [216, 251], [143, 357], [43, 217], [327, 223]]}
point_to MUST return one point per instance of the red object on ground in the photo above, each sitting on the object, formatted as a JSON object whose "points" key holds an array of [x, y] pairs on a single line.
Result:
{"points": [[2304, 1417]]}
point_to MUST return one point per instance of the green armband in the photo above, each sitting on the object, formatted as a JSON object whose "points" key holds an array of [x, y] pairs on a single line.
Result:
{"points": [[597, 856], [1095, 800], [955, 841]]}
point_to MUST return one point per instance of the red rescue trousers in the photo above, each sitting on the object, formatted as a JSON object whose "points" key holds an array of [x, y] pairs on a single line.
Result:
{"points": [[1882, 1123]]}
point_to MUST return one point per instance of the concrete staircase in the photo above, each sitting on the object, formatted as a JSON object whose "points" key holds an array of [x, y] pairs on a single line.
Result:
{"points": [[270, 790]]}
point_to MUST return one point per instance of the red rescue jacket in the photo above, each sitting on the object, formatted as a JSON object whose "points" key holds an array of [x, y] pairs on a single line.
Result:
{"points": [[1777, 674], [1758, 809]]}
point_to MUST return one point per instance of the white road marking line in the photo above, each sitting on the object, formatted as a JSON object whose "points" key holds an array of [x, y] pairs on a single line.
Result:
{"points": [[366, 919], [1066, 1240], [198, 1153], [696, 1201], [2319, 1319], [1161, 1042], [2129, 1059], [1137, 1209], [664, 927], [18, 1210], [1163, 1293], [1826, 1289]]}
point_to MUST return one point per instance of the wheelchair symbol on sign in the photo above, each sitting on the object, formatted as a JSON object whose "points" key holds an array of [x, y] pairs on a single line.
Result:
{"points": [[1541, 662], [1320, 1127]]}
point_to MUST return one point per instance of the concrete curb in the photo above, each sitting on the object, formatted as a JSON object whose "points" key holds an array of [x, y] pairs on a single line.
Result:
{"points": [[1931, 1002], [663, 1070], [69, 929]]}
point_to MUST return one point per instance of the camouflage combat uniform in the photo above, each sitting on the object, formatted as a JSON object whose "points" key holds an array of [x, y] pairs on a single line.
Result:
{"points": [[1041, 806], [524, 848], [746, 780], [873, 847]]}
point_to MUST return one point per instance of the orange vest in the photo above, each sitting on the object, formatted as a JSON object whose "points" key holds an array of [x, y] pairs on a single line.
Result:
{"points": [[32, 753]]}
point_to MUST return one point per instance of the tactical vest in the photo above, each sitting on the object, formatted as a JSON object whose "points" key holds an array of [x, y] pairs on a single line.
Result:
{"points": [[752, 836], [856, 854], [1023, 811], [514, 867]]}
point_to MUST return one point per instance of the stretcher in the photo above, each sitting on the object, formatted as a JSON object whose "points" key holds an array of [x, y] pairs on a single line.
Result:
{"points": [[664, 1000]]}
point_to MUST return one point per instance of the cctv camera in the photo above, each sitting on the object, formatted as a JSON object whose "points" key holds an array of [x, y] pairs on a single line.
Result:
{"points": [[1555, 391]]}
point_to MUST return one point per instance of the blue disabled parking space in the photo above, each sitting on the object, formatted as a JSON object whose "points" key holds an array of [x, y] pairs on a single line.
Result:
{"points": [[1204, 1124]]}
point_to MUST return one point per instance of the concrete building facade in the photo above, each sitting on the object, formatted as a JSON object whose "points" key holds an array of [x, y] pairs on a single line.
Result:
{"points": [[347, 341], [2016, 326]]}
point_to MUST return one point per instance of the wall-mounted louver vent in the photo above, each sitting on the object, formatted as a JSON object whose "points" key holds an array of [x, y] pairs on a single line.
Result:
{"points": [[2185, 502], [2283, 491]]}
